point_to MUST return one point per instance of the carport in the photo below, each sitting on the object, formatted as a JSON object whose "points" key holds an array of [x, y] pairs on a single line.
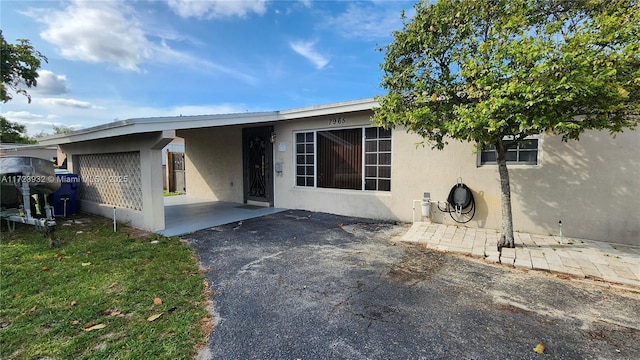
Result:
{"points": [[184, 215], [120, 171]]}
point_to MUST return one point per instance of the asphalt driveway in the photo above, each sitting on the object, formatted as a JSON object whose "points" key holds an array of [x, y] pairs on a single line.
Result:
{"points": [[302, 285]]}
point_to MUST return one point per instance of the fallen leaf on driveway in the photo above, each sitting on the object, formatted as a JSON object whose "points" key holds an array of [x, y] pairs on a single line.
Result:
{"points": [[154, 317], [95, 327], [539, 348]]}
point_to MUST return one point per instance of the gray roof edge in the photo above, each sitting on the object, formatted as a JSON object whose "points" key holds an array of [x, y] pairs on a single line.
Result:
{"points": [[18, 147], [136, 125], [327, 109], [165, 119], [66, 137]]}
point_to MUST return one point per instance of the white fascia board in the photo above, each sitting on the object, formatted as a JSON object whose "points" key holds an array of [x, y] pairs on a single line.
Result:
{"points": [[91, 133], [145, 125], [18, 147], [205, 121], [328, 109]]}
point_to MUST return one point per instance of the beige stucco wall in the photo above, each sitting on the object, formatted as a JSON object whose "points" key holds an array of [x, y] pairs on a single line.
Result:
{"points": [[592, 186], [213, 163]]}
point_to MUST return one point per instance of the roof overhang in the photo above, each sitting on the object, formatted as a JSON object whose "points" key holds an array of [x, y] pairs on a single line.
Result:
{"points": [[145, 125]]}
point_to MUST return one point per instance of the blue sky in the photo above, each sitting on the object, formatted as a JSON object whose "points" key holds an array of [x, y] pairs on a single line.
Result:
{"points": [[114, 60]]}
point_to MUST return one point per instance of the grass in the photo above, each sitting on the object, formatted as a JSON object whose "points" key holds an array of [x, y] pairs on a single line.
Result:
{"points": [[49, 297], [170, 193]]}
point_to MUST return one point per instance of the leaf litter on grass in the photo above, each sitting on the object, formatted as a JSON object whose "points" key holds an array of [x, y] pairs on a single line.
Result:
{"points": [[66, 295]]}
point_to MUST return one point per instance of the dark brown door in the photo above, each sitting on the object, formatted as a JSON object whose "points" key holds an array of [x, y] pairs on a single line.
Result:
{"points": [[258, 168]]}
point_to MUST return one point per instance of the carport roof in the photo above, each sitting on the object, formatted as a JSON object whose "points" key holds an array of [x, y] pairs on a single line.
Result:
{"points": [[169, 123]]}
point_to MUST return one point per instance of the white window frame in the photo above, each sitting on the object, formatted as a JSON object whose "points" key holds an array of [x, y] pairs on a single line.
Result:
{"points": [[315, 162], [538, 163]]}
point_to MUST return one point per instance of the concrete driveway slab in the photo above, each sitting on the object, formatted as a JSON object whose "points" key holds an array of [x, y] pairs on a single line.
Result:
{"points": [[302, 285]]}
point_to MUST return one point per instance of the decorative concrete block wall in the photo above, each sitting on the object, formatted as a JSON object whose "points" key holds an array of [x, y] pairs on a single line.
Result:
{"points": [[112, 179]]}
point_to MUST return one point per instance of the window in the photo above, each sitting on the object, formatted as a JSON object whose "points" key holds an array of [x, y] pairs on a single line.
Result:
{"points": [[340, 159], [305, 159], [525, 153], [355, 158], [377, 153]]}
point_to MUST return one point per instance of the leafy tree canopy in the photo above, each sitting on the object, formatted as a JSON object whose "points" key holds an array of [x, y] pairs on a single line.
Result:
{"points": [[13, 133], [482, 70], [18, 65], [62, 129], [485, 70]]}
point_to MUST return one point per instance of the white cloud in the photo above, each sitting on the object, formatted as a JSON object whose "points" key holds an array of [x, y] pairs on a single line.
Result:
{"points": [[68, 103], [109, 32], [168, 55], [23, 116], [96, 31], [34, 123], [208, 9], [205, 109], [306, 49], [367, 23], [51, 84]]}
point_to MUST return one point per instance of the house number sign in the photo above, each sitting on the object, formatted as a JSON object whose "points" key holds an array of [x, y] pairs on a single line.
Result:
{"points": [[337, 121]]}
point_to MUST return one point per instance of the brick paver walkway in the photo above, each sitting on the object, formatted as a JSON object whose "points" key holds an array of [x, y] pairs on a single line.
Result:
{"points": [[613, 263]]}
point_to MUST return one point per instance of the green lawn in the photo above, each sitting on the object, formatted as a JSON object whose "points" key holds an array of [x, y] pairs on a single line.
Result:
{"points": [[50, 298]]}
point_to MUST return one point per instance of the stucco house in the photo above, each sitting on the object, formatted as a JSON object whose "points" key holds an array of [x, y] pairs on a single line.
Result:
{"points": [[330, 158]]}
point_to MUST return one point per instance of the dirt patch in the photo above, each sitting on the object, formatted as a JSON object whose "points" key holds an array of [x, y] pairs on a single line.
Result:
{"points": [[417, 264], [514, 309], [616, 335]]}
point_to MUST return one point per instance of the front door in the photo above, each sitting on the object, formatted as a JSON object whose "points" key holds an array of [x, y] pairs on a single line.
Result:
{"points": [[258, 172]]}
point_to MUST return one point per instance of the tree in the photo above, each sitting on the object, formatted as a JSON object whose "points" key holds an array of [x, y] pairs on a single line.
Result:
{"points": [[62, 129], [19, 64], [14, 133], [488, 71]]}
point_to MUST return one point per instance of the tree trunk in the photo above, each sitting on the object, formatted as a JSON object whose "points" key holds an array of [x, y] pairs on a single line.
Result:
{"points": [[506, 238]]}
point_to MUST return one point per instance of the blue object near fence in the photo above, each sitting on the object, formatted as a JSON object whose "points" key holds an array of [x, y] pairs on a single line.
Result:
{"points": [[65, 200]]}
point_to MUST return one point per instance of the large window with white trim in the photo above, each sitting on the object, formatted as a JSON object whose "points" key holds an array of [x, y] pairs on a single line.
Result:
{"points": [[352, 158]]}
